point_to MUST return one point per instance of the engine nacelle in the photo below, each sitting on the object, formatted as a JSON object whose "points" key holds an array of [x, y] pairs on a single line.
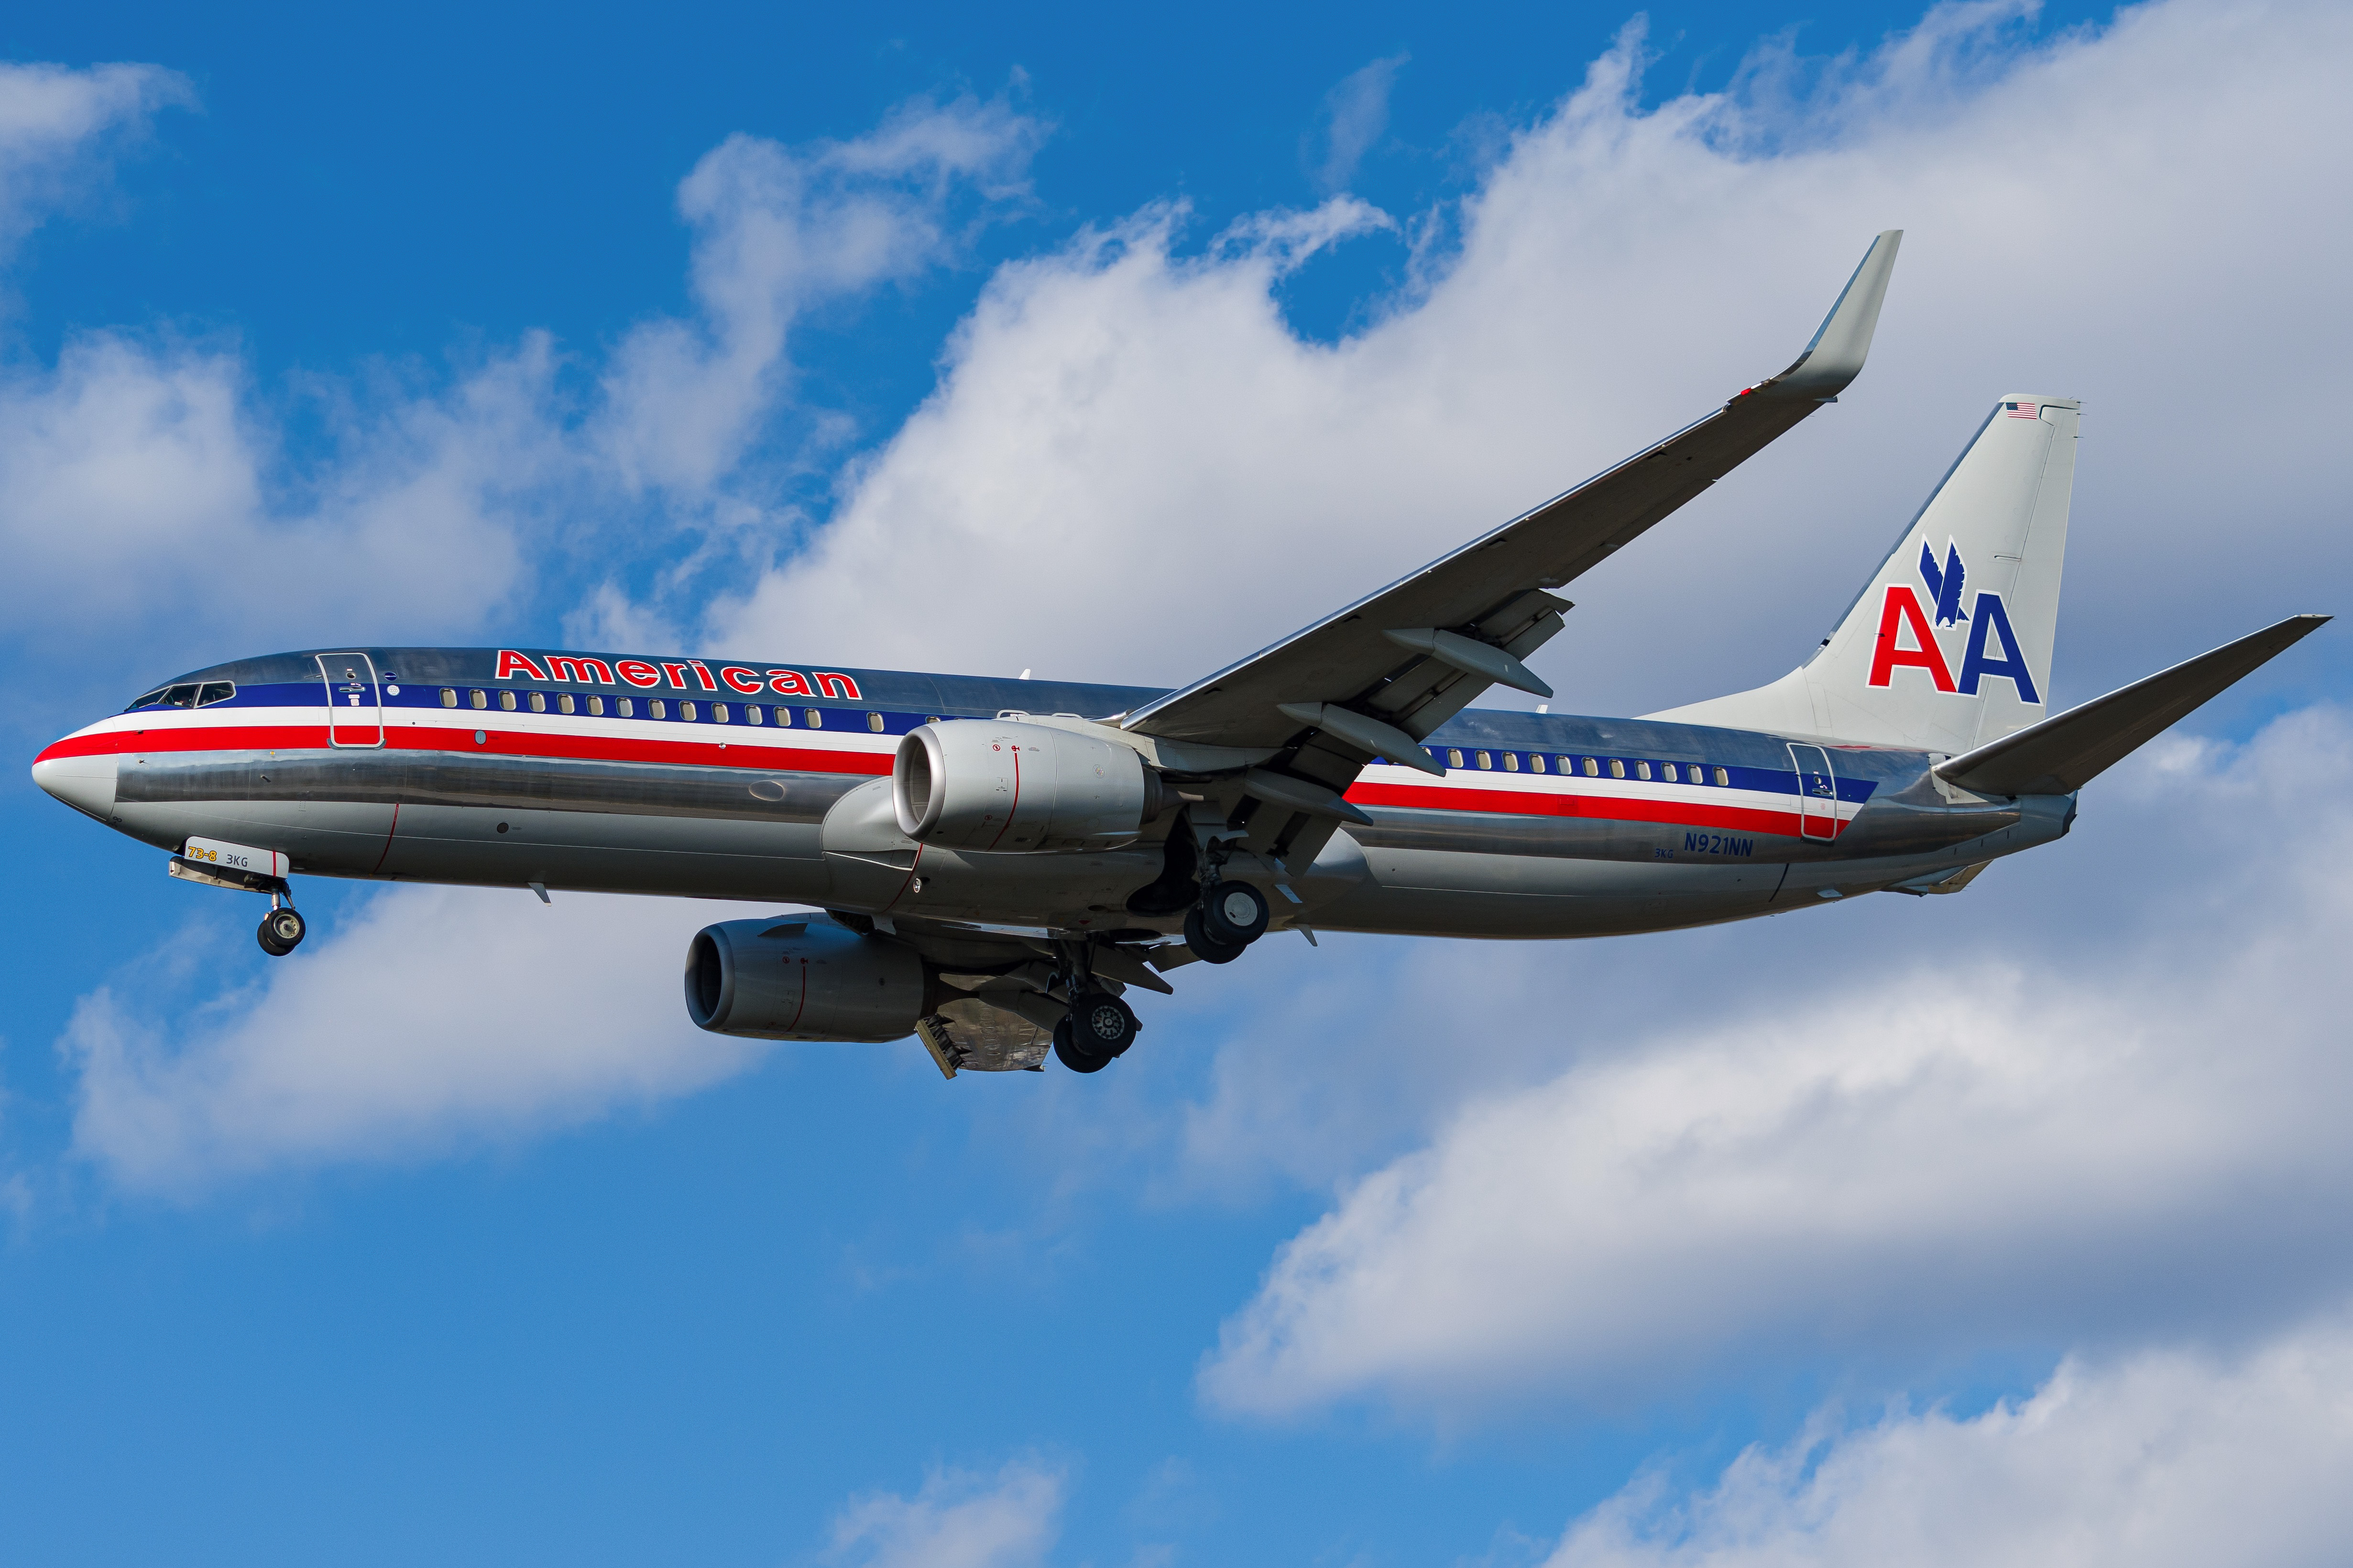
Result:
{"points": [[802, 980], [999, 785]]}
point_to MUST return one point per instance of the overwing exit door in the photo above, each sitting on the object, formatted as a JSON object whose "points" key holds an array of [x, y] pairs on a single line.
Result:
{"points": [[354, 700], [1817, 791]]}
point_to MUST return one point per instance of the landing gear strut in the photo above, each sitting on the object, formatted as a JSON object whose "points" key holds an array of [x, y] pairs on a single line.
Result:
{"points": [[281, 931]]}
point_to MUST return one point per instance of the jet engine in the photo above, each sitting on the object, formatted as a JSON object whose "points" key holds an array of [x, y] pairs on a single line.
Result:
{"points": [[802, 980], [999, 785]]}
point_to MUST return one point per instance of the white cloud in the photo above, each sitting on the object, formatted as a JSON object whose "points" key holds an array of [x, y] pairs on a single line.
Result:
{"points": [[2166, 1457], [1356, 112], [432, 1017], [959, 1519], [134, 507], [1134, 469], [148, 504], [56, 124], [778, 230], [2109, 1118]]}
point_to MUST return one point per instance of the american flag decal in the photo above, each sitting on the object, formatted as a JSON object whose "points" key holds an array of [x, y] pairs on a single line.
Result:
{"points": [[2023, 410]]}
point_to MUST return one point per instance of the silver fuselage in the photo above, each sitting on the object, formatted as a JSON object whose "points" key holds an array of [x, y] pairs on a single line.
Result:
{"points": [[427, 768]]}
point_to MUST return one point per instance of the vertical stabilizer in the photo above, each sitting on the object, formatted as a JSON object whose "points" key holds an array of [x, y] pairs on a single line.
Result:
{"points": [[1949, 646]]}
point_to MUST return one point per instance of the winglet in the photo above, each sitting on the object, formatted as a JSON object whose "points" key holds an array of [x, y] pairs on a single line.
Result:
{"points": [[1835, 356]]}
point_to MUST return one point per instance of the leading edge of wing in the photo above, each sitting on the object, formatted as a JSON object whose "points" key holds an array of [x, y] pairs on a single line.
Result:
{"points": [[1544, 547]]}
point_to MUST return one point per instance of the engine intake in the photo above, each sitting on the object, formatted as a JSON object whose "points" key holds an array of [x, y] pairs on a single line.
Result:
{"points": [[802, 980], [1000, 784]]}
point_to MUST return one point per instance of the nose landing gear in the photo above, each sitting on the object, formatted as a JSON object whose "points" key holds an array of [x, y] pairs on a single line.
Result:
{"points": [[281, 931]]}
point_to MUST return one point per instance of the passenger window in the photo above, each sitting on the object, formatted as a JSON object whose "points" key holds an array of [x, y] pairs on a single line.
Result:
{"points": [[539, 702], [657, 709], [688, 711], [479, 699], [1536, 763], [753, 714], [564, 703], [1641, 770], [1592, 768], [1617, 769], [719, 714], [625, 706], [214, 691], [1723, 778], [448, 696], [816, 717], [1453, 758], [1511, 762], [1485, 761], [596, 708], [784, 718], [507, 701], [874, 723], [933, 719], [1672, 775]]}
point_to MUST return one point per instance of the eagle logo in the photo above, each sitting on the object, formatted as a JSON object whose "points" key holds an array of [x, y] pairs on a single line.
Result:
{"points": [[1945, 585]]}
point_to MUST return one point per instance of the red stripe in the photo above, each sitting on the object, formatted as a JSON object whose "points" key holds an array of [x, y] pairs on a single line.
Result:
{"points": [[1614, 808], [795, 758], [501, 742]]}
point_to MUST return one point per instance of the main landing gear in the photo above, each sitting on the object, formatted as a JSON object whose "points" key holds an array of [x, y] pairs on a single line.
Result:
{"points": [[1098, 1027], [281, 931], [1230, 917]]}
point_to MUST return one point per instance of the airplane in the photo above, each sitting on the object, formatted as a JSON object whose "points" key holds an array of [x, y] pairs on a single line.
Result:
{"points": [[992, 866]]}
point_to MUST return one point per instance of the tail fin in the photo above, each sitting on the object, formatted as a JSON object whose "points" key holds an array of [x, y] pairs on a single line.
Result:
{"points": [[1949, 646]]}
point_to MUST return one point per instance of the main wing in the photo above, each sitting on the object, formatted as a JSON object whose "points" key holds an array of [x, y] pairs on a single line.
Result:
{"points": [[1376, 677]]}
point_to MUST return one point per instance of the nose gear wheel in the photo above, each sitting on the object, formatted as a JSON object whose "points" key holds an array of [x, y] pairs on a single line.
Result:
{"points": [[281, 931]]}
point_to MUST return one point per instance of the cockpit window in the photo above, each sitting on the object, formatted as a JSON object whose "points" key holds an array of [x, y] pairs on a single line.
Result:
{"points": [[181, 696], [214, 691], [149, 700]]}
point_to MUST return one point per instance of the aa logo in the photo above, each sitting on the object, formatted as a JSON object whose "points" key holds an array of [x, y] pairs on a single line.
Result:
{"points": [[1903, 616]]}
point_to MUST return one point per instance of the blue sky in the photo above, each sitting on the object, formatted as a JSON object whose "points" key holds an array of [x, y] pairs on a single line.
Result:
{"points": [[1959, 1231]]}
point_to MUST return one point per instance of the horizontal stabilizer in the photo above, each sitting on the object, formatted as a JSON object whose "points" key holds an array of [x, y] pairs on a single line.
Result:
{"points": [[2062, 754]]}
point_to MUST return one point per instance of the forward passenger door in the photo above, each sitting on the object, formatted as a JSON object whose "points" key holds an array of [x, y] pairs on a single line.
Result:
{"points": [[354, 700]]}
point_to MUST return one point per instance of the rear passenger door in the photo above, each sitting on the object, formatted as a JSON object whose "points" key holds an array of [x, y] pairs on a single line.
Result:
{"points": [[1817, 791], [354, 700]]}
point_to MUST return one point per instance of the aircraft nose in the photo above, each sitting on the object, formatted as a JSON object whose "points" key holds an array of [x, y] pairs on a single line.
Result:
{"points": [[86, 784]]}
